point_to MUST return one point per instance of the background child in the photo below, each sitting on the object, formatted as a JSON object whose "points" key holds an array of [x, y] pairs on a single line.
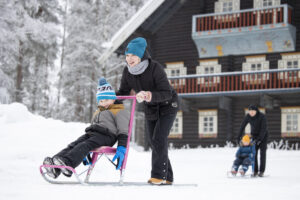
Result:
{"points": [[244, 156], [109, 125]]}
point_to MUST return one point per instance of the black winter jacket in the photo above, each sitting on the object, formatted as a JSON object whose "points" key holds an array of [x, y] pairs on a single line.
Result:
{"points": [[258, 125], [164, 97]]}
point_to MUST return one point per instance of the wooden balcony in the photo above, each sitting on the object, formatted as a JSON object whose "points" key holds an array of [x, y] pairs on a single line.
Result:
{"points": [[234, 83], [250, 31], [244, 18]]}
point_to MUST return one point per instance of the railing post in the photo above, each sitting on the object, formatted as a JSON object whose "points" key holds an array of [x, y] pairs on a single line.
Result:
{"points": [[285, 14], [194, 24]]}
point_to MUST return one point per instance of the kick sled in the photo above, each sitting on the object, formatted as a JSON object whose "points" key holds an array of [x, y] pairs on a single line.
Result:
{"points": [[96, 155], [239, 175]]}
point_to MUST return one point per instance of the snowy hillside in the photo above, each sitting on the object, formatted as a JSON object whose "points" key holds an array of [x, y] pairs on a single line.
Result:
{"points": [[25, 139]]}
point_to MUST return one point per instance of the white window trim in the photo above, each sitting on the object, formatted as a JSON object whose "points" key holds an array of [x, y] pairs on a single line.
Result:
{"points": [[219, 5], [176, 66], [253, 79], [260, 3], [201, 70], [282, 64], [207, 113], [284, 112], [247, 128], [178, 134]]}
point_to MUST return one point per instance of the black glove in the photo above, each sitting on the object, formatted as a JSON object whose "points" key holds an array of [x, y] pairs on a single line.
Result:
{"points": [[256, 142], [96, 128]]}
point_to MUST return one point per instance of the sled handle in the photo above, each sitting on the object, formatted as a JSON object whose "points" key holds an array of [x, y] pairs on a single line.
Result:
{"points": [[129, 129]]}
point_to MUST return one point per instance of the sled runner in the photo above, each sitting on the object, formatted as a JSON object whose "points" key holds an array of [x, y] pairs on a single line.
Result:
{"points": [[96, 155]]}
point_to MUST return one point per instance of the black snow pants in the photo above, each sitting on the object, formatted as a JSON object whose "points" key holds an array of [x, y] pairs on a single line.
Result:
{"points": [[157, 132], [75, 152], [262, 147]]}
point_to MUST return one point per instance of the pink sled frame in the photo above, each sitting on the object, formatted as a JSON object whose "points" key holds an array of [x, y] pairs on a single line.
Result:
{"points": [[105, 150]]}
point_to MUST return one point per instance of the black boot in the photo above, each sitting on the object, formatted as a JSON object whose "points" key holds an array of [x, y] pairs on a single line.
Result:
{"points": [[260, 174], [52, 172], [60, 161]]}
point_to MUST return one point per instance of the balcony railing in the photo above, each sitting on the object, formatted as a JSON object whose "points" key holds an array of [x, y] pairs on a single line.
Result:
{"points": [[245, 18], [274, 80]]}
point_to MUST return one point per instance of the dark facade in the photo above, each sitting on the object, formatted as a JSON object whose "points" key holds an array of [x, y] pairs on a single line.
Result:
{"points": [[169, 34]]}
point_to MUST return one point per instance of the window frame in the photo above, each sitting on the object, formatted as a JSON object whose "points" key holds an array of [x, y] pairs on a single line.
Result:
{"points": [[247, 67], [201, 70], [179, 133], [283, 64], [285, 112], [202, 114], [171, 66]]}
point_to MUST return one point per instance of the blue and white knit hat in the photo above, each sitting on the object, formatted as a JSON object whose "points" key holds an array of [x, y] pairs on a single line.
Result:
{"points": [[105, 90]]}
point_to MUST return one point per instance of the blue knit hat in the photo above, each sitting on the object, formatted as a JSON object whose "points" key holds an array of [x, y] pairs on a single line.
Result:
{"points": [[136, 47], [105, 90]]}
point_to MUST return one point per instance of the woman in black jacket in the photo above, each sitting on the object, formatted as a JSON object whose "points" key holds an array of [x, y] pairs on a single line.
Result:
{"points": [[149, 81], [259, 133]]}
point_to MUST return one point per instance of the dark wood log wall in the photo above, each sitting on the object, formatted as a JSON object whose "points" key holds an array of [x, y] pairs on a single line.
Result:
{"points": [[172, 42]]}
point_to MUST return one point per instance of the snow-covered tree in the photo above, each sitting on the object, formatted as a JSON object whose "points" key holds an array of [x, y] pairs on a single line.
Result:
{"points": [[90, 23], [29, 34]]}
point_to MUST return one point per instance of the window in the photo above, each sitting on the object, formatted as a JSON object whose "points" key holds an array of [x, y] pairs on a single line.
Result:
{"points": [[289, 61], [208, 123], [290, 122], [265, 3], [255, 64], [176, 130], [176, 69], [208, 67], [227, 6], [248, 129]]}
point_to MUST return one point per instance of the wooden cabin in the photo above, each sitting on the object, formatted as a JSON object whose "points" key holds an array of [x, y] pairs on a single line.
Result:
{"points": [[223, 55]]}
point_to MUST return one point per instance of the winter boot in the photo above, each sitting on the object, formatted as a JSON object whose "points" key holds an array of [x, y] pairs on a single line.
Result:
{"points": [[59, 161], [52, 172], [233, 171], [255, 174], [157, 181], [260, 174], [242, 172]]}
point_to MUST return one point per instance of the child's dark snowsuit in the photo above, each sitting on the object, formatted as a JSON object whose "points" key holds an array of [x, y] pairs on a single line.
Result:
{"points": [[244, 156], [108, 126]]}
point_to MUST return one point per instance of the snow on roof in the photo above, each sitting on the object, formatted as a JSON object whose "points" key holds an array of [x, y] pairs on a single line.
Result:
{"points": [[132, 24]]}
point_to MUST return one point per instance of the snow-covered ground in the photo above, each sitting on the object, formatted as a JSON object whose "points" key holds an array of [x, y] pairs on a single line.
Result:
{"points": [[25, 139]]}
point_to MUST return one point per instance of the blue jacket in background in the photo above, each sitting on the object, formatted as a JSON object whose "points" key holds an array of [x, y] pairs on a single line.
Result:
{"points": [[246, 152]]}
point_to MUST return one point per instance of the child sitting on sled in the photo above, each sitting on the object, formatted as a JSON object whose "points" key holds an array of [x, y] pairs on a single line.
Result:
{"points": [[244, 156], [109, 125]]}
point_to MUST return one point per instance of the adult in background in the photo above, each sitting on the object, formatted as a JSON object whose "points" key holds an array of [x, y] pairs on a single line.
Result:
{"points": [[149, 81], [259, 133]]}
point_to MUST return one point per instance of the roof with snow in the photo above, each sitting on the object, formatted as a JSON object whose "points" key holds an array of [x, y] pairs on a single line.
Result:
{"points": [[147, 20]]}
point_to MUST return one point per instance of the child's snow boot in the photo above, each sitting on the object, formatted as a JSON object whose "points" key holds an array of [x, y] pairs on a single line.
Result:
{"points": [[59, 161], [52, 172], [233, 171], [242, 172]]}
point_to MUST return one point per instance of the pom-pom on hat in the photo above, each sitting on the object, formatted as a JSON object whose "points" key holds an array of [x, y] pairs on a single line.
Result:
{"points": [[136, 47], [246, 138], [105, 90]]}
